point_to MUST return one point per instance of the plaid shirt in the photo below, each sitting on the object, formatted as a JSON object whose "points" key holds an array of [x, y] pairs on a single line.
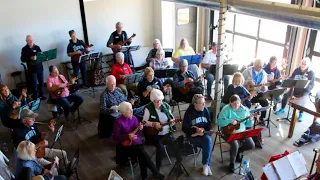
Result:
{"points": [[158, 65], [108, 99]]}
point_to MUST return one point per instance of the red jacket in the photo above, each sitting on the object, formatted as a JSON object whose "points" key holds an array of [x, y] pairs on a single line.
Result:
{"points": [[117, 70]]}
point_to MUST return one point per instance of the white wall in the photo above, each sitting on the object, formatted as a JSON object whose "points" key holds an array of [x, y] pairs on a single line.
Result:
{"points": [[48, 22], [137, 17]]}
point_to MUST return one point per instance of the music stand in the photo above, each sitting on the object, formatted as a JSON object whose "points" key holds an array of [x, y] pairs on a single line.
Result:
{"points": [[46, 56], [290, 83], [128, 49], [272, 94], [133, 78], [165, 73], [58, 138], [84, 58], [92, 56], [192, 59], [241, 136]]}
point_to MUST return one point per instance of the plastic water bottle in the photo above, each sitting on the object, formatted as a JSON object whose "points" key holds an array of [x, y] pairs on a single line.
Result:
{"points": [[245, 167], [4, 146]]}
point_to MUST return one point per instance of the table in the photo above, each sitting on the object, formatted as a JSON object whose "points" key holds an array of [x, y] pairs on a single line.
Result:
{"points": [[301, 104]]}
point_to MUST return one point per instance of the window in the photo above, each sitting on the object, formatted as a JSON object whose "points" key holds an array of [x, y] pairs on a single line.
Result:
{"points": [[244, 50], [266, 50], [317, 43], [183, 16], [229, 21], [246, 24], [273, 30], [315, 62]]}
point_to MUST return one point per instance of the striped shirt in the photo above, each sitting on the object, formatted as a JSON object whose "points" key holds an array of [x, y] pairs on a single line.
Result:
{"points": [[108, 99]]}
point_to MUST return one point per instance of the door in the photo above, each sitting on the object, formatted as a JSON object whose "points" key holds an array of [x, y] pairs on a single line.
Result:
{"points": [[186, 24]]}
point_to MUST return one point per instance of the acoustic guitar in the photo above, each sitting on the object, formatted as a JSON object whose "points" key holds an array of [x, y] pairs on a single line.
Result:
{"points": [[16, 111], [185, 89], [41, 151], [58, 91], [229, 129], [152, 131], [115, 50], [129, 142], [75, 58], [210, 132]]}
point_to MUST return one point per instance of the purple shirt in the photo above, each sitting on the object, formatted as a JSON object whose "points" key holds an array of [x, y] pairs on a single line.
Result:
{"points": [[123, 126]]}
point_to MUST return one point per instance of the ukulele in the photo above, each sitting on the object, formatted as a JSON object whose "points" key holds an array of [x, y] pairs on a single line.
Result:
{"points": [[251, 86], [201, 133], [185, 89], [75, 58], [129, 142], [115, 50], [58, 91], [152, 131], [229, 129], [16, 111], [253, 94], [41, 151]]}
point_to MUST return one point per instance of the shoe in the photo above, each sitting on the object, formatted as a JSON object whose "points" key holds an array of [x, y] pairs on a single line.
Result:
{"points": [[231, 167], [205, 170], [159, 176], [238, 158], [280, 111], [43, 98], [209, 171], [300, 117]]}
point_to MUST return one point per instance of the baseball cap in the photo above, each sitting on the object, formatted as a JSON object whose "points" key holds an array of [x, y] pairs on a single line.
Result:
{"points": [[27, 113]]}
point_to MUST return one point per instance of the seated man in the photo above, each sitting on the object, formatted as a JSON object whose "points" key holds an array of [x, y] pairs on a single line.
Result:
{"points": [[109, 101], [197, 120], [303, 72], [120, 70], [123, 129], [8, 103], [256, 75], [27, 130], [58, 87], [209, 59], [231, 114], [185, 85]]}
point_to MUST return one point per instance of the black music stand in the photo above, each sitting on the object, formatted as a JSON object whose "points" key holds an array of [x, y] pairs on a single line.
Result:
{"points": [[133, 78], [58, 138], [241, 136], [92, 56], [290, 83], [128, 49], [165, 73], [271, 94]]}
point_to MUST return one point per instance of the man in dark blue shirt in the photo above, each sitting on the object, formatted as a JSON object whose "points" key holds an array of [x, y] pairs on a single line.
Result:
{"points": [[35, 69]]}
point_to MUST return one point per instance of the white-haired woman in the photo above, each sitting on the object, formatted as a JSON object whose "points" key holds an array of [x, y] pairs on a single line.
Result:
{"points": [[121, 70], [152, 54], [184, 50], [303, 72], [159, 62], [123, 129], [26, 153], [155, 115]]}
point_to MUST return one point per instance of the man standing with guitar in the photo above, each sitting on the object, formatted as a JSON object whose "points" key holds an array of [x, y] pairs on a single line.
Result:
{"points": [[232, 114], [75, 49], [197, 126], [118, 39]]}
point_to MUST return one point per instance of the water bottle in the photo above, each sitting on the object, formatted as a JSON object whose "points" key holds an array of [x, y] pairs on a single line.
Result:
{"points": [[4, 146], [245, 167]]}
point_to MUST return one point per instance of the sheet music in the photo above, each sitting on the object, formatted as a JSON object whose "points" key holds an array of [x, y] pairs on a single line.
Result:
{"points": [[298, 164], [284, 169], [270, 172]]}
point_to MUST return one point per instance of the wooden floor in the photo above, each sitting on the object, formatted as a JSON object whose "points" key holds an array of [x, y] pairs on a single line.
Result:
{"points": [[97, 155]]}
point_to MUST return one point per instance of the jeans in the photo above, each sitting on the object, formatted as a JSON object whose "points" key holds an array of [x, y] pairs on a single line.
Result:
{"points": [[83, 67], [51, 153], [65, 103], [192, 67], [210, 79], [247, 145], [263, 102], [205, 143], [157, 141], [36, 77]]}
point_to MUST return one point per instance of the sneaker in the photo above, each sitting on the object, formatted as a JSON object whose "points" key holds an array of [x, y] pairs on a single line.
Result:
{"points": [[280, 111], [205, 170], [209, 171], [231, 167], [300, 117]]}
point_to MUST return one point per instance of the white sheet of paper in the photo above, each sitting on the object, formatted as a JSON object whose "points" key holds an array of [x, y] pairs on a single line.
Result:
{"points": [[270, 172], [298, 165], [284, 169]]}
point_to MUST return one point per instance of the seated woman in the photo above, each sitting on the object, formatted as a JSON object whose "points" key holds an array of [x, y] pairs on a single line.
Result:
{"points": [[125, 124], [303, 72], [197, 120], [152, 53], [157, 113], [231, 114], [58, 87], [8, 103], [120, 70], [26, 153], [159, 62], [184, 50], [237, 88], [149, 83], [185, 84]]}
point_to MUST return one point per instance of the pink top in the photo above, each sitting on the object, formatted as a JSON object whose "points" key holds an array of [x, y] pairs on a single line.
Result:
{"points": [[52, 81]]}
